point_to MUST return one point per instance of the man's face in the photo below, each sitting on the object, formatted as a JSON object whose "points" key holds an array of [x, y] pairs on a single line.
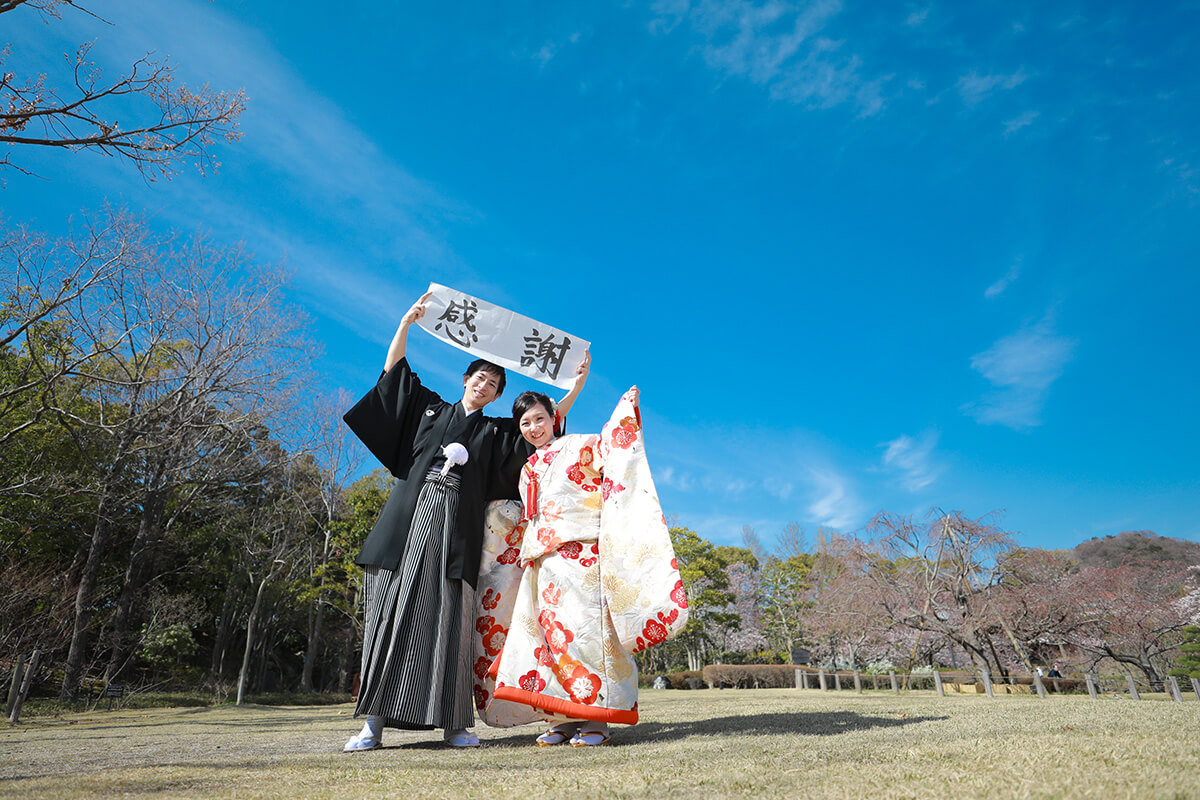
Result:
{"points": [[479, 389]]}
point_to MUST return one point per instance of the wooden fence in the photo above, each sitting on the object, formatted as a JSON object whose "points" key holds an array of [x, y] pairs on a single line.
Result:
{"points": [[967, 683]]}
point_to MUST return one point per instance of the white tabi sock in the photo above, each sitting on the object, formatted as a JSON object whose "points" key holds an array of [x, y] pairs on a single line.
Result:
{"points": [[373, 728]]}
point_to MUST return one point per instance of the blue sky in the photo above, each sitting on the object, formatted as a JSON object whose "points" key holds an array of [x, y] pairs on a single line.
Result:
{"points": [[858, 258]]}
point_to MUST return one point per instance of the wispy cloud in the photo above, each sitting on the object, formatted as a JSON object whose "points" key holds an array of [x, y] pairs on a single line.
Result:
{"points": [[997, 288], [974, 87], [832, 502], [777, 45], [546, 53], [912, 459], [915, 19], [1021, 367], [299, 142], [1015, 124]]}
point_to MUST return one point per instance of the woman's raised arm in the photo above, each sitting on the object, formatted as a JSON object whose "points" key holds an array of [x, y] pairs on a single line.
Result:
{"points": [[565, 404]]}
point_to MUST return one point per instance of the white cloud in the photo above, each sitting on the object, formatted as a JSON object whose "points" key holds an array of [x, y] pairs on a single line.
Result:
{"points": [[974, 87], [1021, 367], [777, 44], [912, 459], [779, 488], [997, 288], [832, 502], [1024, 120], [915, 19]]}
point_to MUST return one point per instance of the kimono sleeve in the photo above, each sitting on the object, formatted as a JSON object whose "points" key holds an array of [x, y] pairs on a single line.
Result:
{"points": [[387, 417], [509, 454], [641, 586]]}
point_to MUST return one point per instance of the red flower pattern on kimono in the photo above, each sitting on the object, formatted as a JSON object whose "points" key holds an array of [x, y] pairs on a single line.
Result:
{"points": [[481, 698], [655, 631], [583, 686], [531, 682], [626, 433], [548, 539], [551, 595], [491, 599], [484, 624], [609, 488], [493, 640], [570, 550], [678, 595], [555, 635], [482, 665], [514, 536], [575, 473], [509, 556], [548, 456], [543, 656]]}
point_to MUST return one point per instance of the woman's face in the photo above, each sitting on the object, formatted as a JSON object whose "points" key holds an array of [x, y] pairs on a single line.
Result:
{"points": [[537, 426]]}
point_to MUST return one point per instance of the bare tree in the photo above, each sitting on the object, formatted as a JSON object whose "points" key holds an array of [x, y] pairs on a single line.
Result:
{"points": [[174, 123], [1133, 615], [271, 539], [937, 578], [42, 280], [337, 461], [206, 354]]}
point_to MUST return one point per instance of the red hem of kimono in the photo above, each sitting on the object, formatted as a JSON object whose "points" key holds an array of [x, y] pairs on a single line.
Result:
{"points": [[566, 708]]}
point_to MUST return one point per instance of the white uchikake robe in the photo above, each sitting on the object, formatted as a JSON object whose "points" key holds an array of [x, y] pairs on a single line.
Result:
{"points": [[569, 591]]}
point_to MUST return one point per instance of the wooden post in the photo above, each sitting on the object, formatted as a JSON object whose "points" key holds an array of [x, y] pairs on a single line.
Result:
{"points": [[821, 675], [1173, 685], [937, 682], [987, 683], [857, 682], [895, 686], [25, 686], [1091, 683], [1057, 686], [1041, 688], [1196, 687], [1133, 692], [837, 679], [874, 680], [18, 674], [800, 679]]}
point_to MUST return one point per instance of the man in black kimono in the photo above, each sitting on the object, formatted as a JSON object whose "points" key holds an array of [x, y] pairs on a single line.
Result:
{"points": [[421, 560]]}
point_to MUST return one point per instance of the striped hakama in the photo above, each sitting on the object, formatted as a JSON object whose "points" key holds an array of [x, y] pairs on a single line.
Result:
{"points": [[417, 650]]}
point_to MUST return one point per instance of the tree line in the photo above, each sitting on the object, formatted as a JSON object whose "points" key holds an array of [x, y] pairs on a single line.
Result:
{"points": [[946, 591]]}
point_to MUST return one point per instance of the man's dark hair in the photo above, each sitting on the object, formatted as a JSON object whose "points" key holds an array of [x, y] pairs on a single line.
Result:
{"points": [[480, 364]]}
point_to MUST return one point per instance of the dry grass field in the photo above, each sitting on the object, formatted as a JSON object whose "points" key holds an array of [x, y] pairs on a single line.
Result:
{"points": [[697, 744]]}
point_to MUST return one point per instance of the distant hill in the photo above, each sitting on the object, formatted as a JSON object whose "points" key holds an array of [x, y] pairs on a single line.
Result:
{"points": [[1136, 547]]}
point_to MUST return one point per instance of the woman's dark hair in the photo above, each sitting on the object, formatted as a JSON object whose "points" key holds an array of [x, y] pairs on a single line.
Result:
{"points": [[527, 400], [481, 365]]}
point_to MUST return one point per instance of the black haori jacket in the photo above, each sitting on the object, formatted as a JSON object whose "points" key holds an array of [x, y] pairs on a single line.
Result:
{"points": [[405, 426]]}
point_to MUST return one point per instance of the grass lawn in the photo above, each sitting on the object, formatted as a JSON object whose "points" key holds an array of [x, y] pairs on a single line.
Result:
{"points": [[690, 744]]}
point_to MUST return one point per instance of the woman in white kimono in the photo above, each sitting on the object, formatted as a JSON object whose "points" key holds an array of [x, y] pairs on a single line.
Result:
{"points": [[572, 588]]}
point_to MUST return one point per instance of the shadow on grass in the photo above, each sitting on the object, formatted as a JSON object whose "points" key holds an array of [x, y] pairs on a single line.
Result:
{"points": [[801, 724]]}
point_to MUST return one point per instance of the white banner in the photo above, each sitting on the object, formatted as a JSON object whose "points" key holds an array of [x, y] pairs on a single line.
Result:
{"points": [[503, 337]]}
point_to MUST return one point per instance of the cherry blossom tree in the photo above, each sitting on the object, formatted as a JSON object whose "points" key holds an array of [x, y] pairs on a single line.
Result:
{"points": [[172, 123]]}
